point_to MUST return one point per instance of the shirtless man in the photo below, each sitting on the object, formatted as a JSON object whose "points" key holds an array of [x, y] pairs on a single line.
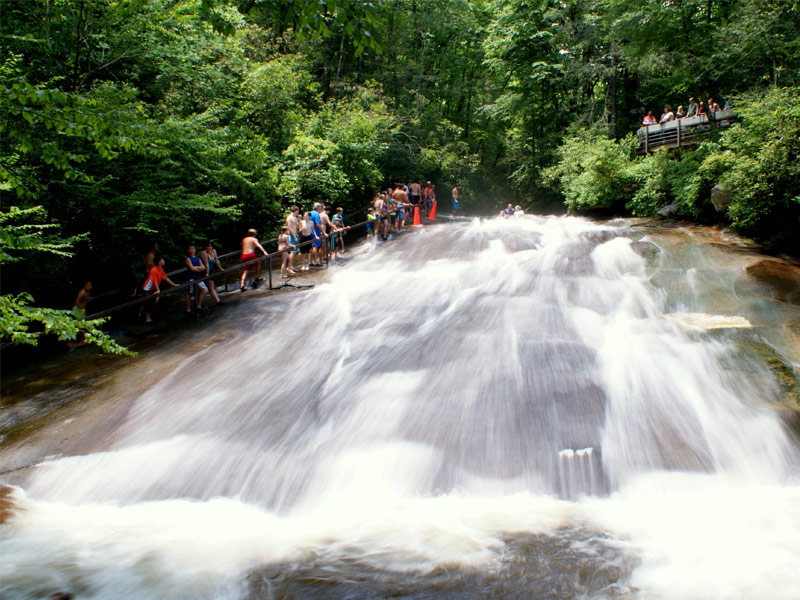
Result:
{"points": [[415, 192], [249, 245], [454, 198], [79, 312], [293, 223], [81, 300], [149, 259], [401, 199], [327, 230], [382, 216]]}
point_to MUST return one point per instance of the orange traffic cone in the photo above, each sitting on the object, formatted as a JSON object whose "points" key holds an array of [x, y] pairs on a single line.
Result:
{"points": [[432, 216], [416, 222]]}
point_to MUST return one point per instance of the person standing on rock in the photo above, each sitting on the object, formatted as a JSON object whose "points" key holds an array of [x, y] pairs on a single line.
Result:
{"points": [[319, 235], [454, 198], [211, 260], [400, 197], [153, 287], [249, 245], [306, 238], [195, 270]]}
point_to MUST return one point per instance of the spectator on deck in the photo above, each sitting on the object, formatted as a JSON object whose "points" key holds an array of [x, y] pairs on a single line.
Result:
{"points": [[210, 261], [649, 119], [713, 107], [701, 109], [667, 116], [680, 113], [195, 270], [691, 110]]}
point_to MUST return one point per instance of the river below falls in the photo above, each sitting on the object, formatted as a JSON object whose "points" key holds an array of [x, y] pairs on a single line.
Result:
{"points": [[545, 407]]}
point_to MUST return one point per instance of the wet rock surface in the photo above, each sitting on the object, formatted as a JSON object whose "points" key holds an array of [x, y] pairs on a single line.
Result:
{"points": [[782, 276], [573, 564]]}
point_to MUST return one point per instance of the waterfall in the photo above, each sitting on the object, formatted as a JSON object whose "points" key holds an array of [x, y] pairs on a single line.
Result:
{"points": [[466, 397]]}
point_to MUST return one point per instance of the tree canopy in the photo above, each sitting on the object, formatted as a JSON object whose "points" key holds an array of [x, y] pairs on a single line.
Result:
{"points": [[124, 122]]}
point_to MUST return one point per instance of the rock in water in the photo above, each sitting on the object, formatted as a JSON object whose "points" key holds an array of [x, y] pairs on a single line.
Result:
{"points": [[782, 276], [706, 321], [721, 197], [668, 210], [645, 249]]}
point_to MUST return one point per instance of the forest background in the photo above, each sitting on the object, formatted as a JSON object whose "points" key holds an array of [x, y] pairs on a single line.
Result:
{"points": [[128, 122]]}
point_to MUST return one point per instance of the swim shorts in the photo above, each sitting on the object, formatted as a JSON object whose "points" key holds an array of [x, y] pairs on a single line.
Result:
{"points": [[202, 285], [245, 258]]}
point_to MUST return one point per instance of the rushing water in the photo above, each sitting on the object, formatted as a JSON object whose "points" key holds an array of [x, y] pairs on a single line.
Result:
{"points": [[503, 408]]}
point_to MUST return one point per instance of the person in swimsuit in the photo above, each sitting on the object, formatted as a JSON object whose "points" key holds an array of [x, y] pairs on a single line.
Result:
{"points": [[249, 245], [211, 260], [414, 193], [454, 198], [286, 248], [338, 223], [152, 286], [400, 197], [318, 233], [306, 236], [431, 199], [294, 238], [195, 271], [149, 259], [381, 216], [371, 220], [79, 312]]}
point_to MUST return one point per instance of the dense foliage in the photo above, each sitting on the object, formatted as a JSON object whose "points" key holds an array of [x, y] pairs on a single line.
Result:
{"points": [[125, 122]]}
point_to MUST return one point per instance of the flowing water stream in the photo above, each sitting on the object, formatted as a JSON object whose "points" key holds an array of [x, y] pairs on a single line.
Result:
{"points": [[520, 408]]}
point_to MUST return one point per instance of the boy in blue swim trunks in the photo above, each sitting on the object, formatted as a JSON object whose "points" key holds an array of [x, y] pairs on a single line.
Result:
{"points": [[455, 198]]}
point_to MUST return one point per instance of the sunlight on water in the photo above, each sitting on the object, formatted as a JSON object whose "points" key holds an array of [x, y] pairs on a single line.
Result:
{"points": [[465, 398]]}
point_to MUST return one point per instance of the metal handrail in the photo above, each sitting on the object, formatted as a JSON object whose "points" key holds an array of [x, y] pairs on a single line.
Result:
{"points": [[225, 271]]}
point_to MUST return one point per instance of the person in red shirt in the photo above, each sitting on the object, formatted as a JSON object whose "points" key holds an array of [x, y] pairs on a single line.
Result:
{"points": [[152, 286]]}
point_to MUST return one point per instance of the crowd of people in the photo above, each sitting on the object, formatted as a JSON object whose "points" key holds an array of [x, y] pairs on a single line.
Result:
{"points": [[394, 209], [694, 109], [317, 237]]}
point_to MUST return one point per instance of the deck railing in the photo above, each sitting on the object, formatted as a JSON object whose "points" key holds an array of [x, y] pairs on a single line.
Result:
{"points": [[681, 132]]}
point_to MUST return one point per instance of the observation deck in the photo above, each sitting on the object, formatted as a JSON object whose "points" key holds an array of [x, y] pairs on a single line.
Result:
{"points": [[681, 132]]}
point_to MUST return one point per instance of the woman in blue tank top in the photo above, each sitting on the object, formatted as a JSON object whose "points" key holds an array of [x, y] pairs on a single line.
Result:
{"points": [[195, 269], [211, 260]]}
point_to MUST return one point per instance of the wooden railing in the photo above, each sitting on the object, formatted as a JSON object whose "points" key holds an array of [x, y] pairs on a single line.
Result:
{"points": [[681, 132]]}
